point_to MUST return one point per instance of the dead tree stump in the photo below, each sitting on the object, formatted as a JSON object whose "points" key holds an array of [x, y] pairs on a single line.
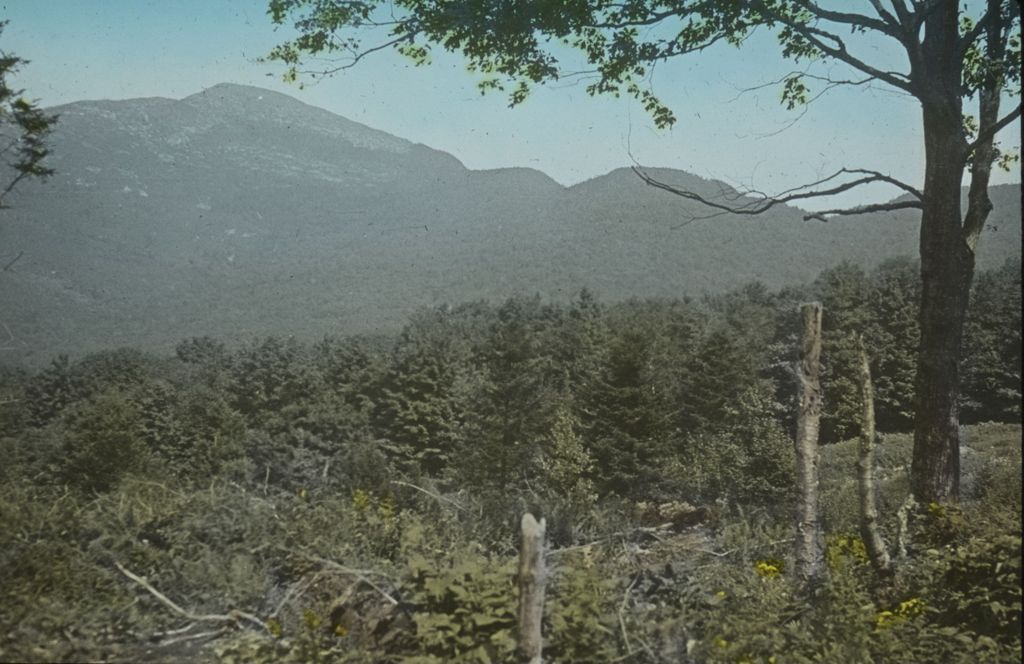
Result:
{"points": [[809, 546], [532, 581]]}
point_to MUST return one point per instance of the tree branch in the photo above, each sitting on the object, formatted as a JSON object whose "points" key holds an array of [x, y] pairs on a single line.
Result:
{"points": [[886, 15], [991, 15], [765, 202], [847, 18], [356, 57], [823, 215], [983, 151], [653, 19], [989, 132], [839, 51], [901, 9]]}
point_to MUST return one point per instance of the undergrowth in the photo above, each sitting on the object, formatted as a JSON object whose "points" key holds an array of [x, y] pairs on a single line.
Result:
{"points": [[410, 575]]}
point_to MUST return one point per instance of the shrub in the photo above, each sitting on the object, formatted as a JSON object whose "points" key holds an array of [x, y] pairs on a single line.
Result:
{"points": [[103, 442]]}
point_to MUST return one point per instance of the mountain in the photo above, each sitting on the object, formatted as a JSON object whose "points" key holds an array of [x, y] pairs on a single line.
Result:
{"points": [[240, 211]]}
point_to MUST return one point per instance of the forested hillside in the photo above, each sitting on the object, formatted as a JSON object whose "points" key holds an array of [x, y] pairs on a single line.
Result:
{"points": [[356, 499], [240, 213]]}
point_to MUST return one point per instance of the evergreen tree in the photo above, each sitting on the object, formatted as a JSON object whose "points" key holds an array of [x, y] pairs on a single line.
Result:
{"points": [[845, 294], [511, 409], [416, 410], [24, 130], [892, 340], [992, 353]]}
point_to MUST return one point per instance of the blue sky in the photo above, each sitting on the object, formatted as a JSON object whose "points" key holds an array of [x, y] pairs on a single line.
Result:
{"points": [[117, 49]]}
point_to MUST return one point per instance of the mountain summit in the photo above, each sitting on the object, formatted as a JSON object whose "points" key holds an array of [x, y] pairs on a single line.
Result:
{"points": [[241, 211]]}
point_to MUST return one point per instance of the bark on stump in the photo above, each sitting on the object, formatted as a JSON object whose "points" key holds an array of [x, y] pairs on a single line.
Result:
{"points": [[809, 547], [873, 542], [532, 581]]}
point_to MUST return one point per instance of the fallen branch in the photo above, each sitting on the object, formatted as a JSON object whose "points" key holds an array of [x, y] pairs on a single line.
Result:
{"points": [[436, 496], [717, 554], [654, 531], [234, 616], [622, 619], [361, 574], [194, 637], [173, 632]]}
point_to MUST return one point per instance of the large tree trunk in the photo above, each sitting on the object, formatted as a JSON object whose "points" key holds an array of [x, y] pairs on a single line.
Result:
{"points": [[947, 267]]}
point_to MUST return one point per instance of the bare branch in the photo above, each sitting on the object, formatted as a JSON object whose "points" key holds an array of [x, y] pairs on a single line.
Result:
{"points": [[887, 16], [902, 11], [10, 264], [830, 83], [356, 57], [763, 202], [233, 616], [888, 179], [807, 104], [823, 215], [360, 574]]}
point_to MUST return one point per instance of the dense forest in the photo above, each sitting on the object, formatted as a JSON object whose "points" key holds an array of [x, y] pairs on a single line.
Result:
{"points": [[357, 499]]}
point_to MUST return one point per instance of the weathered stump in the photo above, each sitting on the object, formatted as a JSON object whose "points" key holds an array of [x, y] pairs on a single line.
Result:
{"points": [[532, 581]]}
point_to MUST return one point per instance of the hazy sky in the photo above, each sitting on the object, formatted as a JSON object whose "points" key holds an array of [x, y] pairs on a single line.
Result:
{"points": [[117, 49]]}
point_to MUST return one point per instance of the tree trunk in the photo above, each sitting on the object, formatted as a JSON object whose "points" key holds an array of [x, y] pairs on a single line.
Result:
{"points": [[808, 549], [947, 266], [532, 580]]}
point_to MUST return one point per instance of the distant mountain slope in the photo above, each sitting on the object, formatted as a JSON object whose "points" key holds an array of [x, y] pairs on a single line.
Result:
{"points": [[240, 211]]}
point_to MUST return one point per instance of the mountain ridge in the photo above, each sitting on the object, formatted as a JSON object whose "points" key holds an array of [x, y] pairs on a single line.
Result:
{"points": [[240, 211]]}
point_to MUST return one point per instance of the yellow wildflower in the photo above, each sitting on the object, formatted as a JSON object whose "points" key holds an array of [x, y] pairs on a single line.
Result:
{"points": [[885, 620], [911, 607], [361, 499], [769, 569]]}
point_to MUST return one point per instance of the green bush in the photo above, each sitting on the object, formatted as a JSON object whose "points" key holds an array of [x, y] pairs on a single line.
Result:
{"points": [[102, 442]]}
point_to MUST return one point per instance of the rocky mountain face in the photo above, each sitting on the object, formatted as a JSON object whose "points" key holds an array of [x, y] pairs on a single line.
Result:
{"points": [[239, 211]]}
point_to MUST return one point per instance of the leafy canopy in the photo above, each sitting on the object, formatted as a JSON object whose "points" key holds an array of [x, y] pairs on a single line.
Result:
{"points": [[516, 45]]}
